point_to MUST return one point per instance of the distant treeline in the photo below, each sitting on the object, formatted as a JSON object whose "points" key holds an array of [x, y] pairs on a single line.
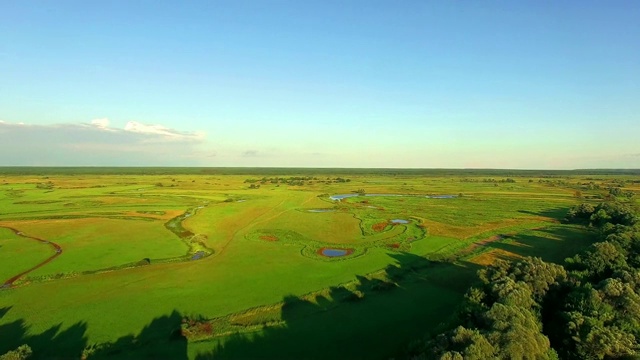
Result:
{"points": [[88, 170], [587, 309]]}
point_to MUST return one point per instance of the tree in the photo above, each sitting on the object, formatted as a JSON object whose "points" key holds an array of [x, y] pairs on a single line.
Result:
{"points": [[21, 353], [536, 274], [516, 333], [462, 343], [580, 213], [601, 261]]}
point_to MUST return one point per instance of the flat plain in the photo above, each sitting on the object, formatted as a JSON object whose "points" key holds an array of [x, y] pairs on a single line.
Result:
{"points": [[185, 263]]}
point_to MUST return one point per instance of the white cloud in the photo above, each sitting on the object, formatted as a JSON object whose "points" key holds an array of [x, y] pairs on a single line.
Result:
{"points": [[136, 127], [97, 143], [102, 123], [250, 153]]}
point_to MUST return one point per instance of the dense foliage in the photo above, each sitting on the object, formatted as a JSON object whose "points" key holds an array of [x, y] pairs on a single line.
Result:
{"points": [[23, 352], [529, 309]]}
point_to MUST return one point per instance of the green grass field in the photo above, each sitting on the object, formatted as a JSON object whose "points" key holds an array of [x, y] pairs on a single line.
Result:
{"points": [[140, 252]]}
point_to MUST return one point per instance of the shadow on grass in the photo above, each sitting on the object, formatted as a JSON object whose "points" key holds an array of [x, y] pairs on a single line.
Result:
{"points": [[4, 310], [373, 318], [554, 213], [553, 244], [52, 343], [160, 339], [376, 319]]}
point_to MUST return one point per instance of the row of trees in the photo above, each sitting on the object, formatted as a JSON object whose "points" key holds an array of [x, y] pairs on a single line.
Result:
{"points": [[297, 180], [491, 180], [587, 309]]}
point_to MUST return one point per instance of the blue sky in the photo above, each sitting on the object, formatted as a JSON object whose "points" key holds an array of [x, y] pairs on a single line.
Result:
{"points": [[455, 84]]}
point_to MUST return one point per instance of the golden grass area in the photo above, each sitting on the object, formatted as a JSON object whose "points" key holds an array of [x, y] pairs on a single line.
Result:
{"points": [[489, 257], [465, 232]]}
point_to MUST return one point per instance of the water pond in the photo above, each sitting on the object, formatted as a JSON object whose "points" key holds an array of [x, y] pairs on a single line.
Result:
{"points": [[399, 221], [328, 252], [344, 196], [198, 255]]}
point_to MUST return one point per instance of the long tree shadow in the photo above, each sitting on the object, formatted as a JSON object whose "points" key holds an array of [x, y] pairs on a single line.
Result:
{"points": [[373, 319], [557, 213], [552, 244], [53, 343], [4, 310], [160, 339]]}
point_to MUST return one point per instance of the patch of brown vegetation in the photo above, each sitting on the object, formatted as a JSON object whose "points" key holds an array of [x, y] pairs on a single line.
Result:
{"points": [[490, 257], [196, 329], [379, 226], [464, 232], [269, 238], [394, 246]]}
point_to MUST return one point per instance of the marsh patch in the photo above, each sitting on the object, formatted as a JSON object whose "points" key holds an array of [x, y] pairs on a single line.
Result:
{"points": [[334, 252], [379, 226], [198, 255], [399, 221], [268, 237]]}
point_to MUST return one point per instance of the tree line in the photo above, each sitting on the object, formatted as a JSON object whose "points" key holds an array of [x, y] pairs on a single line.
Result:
{"points": [[530, 309]]}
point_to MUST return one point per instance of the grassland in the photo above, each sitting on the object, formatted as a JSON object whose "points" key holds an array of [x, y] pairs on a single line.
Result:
{"points": [[128, 273]]}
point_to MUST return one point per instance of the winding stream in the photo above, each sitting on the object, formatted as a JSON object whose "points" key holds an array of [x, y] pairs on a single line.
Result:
{"points": [[56, 248], [197, 249]]}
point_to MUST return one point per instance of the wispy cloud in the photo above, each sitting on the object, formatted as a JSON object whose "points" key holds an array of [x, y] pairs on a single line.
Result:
{"points": [[102, 123], [99, 143], [250, 153], [163, 132]]}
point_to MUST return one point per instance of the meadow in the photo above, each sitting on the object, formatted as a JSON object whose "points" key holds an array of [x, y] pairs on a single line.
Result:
{"points": [[237, 263]]}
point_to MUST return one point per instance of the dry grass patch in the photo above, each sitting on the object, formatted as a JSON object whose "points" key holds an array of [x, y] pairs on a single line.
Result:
{"points": [[491, 256], [379, 227]]}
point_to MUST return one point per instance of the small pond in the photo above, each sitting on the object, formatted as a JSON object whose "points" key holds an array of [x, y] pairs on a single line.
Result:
{"points": [[399, 221], [328, 252], [320, 210], [198, 255], [342, 196]]}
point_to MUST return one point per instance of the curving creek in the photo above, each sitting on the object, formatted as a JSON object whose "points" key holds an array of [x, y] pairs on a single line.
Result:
{"points": [[174, 225], [57, 251]]}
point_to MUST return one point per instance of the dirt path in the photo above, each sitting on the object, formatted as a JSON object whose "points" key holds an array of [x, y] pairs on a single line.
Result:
{"points": [[56, 247]]}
